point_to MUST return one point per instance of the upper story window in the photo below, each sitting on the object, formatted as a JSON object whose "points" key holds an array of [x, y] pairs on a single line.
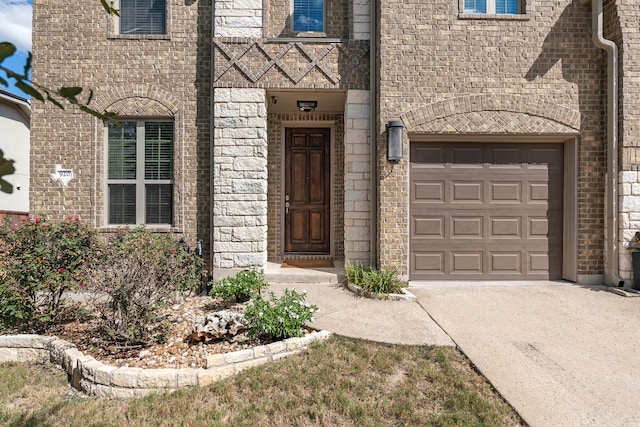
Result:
{"points": [[143, 17], [308, 16], [493, 7], [140, 173]]}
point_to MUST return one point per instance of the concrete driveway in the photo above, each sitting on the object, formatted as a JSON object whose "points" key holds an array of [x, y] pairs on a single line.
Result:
{"points": [[561, 354]]}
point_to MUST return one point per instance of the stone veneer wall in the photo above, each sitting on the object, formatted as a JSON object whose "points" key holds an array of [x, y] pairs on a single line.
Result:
{"points": [[357, 177], [240, 178], [429, 53], [238, 18], [97, 379]]}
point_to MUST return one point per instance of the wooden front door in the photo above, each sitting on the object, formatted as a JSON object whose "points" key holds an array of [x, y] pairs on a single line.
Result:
{"points": [[307, 186]]}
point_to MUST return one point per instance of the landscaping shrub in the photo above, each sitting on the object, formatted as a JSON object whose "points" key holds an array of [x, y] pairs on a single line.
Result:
{"points": [[242, 286], [41, 261], [380, 281], [279, 318], [141, 271]]}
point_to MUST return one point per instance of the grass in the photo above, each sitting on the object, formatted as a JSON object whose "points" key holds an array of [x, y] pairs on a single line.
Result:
{"points": [[341, 382]]}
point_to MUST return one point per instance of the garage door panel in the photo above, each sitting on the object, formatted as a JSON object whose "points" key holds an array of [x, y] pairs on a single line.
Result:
{"points": [[429, 262], [466, 262], [465, 227], [488, 212], [505, 157], [505, 262], [429, 227], [506, 227], [505, 192], [467, 157], [428, 192], [466, 192]]}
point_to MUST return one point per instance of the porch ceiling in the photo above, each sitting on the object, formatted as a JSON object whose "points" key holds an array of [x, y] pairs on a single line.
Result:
{"points": [[328, 101]]}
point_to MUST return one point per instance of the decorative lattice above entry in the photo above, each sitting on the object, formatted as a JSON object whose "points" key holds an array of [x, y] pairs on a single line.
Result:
{"points": [[292, 64]]}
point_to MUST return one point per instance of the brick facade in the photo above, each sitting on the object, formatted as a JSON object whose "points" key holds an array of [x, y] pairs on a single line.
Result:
{"points": [[440, 71], [536, 75], [164, 77]]}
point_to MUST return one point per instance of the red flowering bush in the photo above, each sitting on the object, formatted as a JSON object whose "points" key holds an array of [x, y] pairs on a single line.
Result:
{"points": [[42, 260]]}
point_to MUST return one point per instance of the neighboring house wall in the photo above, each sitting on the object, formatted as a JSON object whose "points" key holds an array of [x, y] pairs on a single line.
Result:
{"points": [[466, 77], [14, 143], [152, 77]]}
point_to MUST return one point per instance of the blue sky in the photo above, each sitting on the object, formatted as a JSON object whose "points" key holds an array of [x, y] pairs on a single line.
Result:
{"points": [[15, 27]]}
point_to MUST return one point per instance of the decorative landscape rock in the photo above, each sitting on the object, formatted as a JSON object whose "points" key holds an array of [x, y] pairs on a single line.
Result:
{"points": [[221, 324]]}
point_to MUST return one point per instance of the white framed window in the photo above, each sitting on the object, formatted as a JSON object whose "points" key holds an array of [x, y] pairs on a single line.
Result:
{"points": [[493, 7], [140, 158], [308, 16], [142, 16]]}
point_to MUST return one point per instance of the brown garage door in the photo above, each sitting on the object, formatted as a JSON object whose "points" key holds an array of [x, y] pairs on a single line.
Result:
{"points": [[485, 211]]}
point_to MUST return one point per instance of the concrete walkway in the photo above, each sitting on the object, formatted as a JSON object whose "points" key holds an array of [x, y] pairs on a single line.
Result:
{"points": [[559, 353]]}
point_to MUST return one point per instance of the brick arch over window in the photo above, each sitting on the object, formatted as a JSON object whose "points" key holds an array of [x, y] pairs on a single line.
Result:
{"points": [[493, 114], [140, 101]]}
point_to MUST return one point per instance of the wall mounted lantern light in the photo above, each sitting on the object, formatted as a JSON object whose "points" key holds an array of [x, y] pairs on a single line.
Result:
{"points": [[394, 141], [307, 106]]}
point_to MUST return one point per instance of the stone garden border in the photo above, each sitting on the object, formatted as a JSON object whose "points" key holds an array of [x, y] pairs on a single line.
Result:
{"points": [[404, 296], [97, 379]]}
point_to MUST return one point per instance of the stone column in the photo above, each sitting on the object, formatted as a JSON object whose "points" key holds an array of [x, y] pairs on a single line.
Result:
{"points": [[240, 179], [357, 178]]}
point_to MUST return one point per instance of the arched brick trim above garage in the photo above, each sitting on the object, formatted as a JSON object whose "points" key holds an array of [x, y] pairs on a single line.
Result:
{"points": [[493, 114]]}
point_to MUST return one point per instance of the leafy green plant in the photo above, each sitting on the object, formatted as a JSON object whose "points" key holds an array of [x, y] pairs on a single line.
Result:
{"points": [[379, 281], [242, 286], [141, 271], [42, 261], [279, 318]]}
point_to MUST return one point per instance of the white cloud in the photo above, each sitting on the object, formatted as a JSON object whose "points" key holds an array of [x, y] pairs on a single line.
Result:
{"points": [[15, 23]]}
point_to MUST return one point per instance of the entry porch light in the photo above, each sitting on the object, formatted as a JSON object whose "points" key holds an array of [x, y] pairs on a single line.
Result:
{"points": [[307, 106], [394, 141]]}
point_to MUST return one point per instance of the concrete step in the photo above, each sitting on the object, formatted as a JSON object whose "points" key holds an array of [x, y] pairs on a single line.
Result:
{"points": [[275, 274]]}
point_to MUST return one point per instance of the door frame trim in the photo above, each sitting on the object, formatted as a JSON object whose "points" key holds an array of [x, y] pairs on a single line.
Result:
{"points": [[328, 124]]}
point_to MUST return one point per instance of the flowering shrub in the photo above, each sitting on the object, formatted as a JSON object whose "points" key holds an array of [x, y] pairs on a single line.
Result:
{"points": [[242, 286], [140, 271], [42, 260], [281, 317]]}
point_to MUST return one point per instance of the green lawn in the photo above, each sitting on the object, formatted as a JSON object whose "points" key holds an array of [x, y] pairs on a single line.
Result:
{"points": [[341, 382]]}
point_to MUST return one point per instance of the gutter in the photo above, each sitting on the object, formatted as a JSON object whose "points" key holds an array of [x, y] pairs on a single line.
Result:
{"points": [[373, 137], [611, 250]]}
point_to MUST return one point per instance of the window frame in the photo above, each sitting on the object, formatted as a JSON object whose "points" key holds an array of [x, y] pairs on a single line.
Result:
{"points": [[140, 181], [524, 12], [306, 32], [115, 28]]}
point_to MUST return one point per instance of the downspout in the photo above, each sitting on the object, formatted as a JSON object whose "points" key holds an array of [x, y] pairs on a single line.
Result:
{"points": [[212, 128], [373, 137], [611, 272]]}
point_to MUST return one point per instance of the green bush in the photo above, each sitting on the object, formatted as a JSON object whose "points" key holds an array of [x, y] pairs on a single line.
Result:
{"points": [[41, 261], [379, 281], [244, 285], [279, 318], [141, 271]]}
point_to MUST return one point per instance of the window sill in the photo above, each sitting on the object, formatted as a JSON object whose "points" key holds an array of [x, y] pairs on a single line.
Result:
{"points": [[148, 227], [139, 36], [495, 17], [310, 35]]}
